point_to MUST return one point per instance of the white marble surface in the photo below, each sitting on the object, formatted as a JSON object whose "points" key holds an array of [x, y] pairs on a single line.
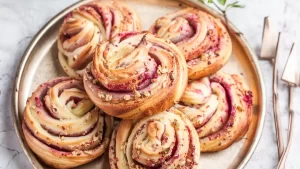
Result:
{"points": [[20, 20]]}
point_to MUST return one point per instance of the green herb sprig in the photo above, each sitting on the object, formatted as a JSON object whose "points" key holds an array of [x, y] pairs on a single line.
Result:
{"points": [[223, 7]]}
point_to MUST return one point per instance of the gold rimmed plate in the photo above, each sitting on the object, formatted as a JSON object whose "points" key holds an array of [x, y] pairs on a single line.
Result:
{"points": [[40, 63]]}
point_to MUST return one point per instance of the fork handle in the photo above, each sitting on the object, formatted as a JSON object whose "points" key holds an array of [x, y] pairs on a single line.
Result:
{"points": [[283, 158], [278, 126], [276, 111], [290, 134]]}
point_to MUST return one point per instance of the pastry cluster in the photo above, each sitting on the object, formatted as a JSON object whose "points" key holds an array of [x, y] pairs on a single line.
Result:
{"points": [[163, 84]]}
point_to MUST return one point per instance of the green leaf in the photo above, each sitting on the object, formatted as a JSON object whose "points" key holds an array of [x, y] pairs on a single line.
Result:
{"points": [[206, 1], [222, 2], [238, 6], [235, 5]]}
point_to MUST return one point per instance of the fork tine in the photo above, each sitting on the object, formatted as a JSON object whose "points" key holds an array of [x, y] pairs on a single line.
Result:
{"points": [[298, 78], [269, 40], [290, 70]]}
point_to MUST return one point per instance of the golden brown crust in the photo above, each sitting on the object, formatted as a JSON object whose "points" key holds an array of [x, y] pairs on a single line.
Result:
{"points": [[136, 75], [62, 126], [164, 140], [202, 38], [220, 108], [88, 25]]}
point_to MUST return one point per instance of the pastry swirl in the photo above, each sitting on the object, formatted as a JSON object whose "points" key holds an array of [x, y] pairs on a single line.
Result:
{"points": [[136, 75], [164, 140], [202, 38], [88, 25], [63, 127], [220, 108]]}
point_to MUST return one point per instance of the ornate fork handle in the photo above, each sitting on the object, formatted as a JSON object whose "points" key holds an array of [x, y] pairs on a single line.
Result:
{"points": [[276, 111], [290, 129]]}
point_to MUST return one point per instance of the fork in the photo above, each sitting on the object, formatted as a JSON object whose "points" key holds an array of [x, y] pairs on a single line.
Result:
{"points": [[290, 76], [269, 51]]}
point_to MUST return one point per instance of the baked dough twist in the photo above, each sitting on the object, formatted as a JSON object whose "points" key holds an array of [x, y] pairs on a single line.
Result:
{"points": [[63, 127], [136, 75], [202, 38], [88, 25], [165, 140], [220, 108]]}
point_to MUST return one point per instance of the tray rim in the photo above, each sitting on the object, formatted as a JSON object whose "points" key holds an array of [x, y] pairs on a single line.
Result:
{"points": [[54, 19]]}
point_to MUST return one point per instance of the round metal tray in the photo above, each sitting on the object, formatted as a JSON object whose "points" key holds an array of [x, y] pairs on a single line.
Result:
{"points": [[40, 64]]}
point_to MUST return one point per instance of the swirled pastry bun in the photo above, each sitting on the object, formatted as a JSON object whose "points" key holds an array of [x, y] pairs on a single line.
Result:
{"points": [[63, 127], [202, 38], [164, 140], [88, 25], [220, 108], [136, 75]]}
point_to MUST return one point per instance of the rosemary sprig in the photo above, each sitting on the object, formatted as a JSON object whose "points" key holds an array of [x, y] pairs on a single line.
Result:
{"points": [[223, 6]]}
